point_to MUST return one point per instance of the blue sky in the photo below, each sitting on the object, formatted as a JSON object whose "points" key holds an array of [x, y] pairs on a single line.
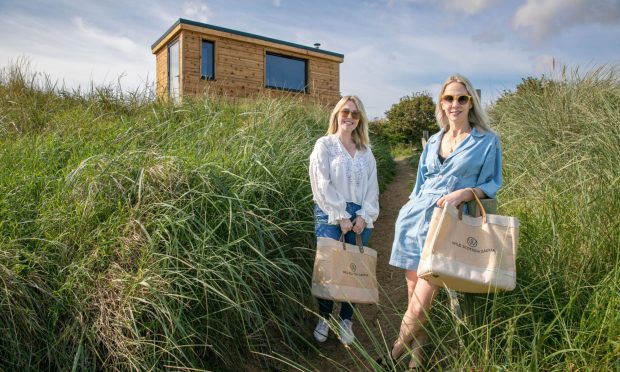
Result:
{"points": [[392, 48]]}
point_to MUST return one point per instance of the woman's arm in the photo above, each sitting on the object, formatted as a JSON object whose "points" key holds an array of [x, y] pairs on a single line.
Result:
{"points": [[490, 178], [370, 205], [460, 196], [420, 177]]}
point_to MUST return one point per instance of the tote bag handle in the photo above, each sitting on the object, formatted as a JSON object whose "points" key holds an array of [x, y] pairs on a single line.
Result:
{"points": [[480, 206], [358, 242]]}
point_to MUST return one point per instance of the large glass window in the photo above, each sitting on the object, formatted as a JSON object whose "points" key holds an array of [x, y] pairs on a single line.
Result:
{"points": [[207, 68], [288, 73], [173, 71]]}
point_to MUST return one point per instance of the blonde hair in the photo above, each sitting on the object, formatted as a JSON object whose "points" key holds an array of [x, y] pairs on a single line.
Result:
{"points": [[360, 134], [477, 116]]}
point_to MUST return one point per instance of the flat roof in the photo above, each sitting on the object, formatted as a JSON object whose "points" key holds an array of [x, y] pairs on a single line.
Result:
{"points": [[241, 33]]}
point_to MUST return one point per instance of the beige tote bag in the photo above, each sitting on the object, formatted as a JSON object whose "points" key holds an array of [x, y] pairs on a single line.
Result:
{"points": [[470, 254], [345, 272]]}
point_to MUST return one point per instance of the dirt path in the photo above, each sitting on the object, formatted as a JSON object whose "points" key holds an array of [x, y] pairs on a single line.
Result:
{"points": [[379, 323]]}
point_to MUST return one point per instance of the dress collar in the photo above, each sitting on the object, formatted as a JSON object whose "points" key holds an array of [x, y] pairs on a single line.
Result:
{"points": [[469, 141]]}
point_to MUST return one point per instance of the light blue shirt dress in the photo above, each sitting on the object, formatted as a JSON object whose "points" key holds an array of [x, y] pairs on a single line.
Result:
{"points": [[476, 162]]}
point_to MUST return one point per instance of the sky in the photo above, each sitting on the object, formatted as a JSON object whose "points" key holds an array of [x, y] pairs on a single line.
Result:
{"points": [[391, 48]]}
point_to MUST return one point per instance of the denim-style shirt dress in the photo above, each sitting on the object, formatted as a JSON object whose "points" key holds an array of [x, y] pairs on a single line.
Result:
{"points": [[476, 162]]}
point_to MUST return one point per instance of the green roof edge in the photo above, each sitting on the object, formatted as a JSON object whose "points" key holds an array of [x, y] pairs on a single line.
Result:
{"points": [[241, 33]]}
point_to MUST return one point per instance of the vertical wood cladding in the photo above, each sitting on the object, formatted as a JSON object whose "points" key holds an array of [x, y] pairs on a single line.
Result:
{"points": [[161, 72], [240, 67]]}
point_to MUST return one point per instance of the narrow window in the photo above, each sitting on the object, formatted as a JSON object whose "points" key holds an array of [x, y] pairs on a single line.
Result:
{"points": [[174, 71], [286, 73], [207, 68]]}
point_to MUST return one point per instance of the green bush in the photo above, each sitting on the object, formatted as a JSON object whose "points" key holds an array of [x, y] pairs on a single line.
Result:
{"points": [[406, 120]]}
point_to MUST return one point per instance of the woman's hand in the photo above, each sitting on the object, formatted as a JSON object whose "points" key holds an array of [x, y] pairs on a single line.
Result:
{"points": [[359, 225], [455, 198], [345, 225]]}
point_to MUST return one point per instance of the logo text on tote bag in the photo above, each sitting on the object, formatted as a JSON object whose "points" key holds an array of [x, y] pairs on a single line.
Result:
{"points": [[471, 245], [353, 270]]}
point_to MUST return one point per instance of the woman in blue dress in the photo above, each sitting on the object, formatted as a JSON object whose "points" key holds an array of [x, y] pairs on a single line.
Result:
{"points": [[464, 154]]}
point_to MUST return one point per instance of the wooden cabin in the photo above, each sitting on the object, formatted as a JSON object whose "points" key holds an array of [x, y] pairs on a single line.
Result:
{"points": [[192, 57]]}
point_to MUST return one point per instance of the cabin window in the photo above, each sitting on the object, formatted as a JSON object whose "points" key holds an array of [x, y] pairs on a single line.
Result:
{"points": [[207, 65], [286, 73]]}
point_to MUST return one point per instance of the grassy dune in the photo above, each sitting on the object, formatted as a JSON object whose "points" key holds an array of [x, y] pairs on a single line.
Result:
{"points": [[561, 146], [562, 155], [140, 235]]}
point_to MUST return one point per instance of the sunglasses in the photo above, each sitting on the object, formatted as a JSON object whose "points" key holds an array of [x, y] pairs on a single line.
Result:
{"points": [[355, 115], [449, 98]]}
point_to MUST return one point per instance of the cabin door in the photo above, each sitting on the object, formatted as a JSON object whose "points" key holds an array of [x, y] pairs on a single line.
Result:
{"points": [[174, 71]]}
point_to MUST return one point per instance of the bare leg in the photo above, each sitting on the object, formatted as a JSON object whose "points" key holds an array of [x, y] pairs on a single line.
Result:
{"points": [[412, 325], [412, 278], [416, 349]]}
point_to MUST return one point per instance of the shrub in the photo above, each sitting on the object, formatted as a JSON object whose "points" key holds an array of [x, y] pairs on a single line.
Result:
{"points": [[407, 119]]}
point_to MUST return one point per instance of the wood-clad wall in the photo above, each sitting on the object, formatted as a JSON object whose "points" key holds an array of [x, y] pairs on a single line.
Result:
{"points": [[161, 71], [240, 68]]}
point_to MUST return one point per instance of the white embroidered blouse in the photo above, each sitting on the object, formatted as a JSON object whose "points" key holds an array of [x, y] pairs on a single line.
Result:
{"points": [[337, 178]]}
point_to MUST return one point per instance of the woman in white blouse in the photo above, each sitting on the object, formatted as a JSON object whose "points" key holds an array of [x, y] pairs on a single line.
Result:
{"points": [[343, 176]]}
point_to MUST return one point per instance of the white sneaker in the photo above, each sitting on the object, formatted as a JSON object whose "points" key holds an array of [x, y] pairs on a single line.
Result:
{"points": [[321, 331], [346, 332]]}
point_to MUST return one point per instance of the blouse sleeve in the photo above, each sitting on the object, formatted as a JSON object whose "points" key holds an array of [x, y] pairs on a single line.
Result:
{"points": [[490, 179], [370, 205], [323, 191]]}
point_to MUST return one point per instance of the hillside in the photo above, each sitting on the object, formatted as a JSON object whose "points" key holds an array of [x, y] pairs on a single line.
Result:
{"points": [[139, 235]]}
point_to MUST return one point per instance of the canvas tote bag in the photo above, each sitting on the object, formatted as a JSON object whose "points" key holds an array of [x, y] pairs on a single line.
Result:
{"points": [[470, 254], [345, 272]]}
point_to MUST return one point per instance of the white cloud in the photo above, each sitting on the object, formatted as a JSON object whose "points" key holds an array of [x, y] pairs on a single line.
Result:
{"points": [[382, 73], [467, 6], [90, 55], [542, 18], [197, 11], [390, 51], [435, 54], [161, 14], [488, 36], [121, 43], [547, 64]]}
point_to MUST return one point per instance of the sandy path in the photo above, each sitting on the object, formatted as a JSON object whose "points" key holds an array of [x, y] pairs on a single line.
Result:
{"points": [[378, 320]]}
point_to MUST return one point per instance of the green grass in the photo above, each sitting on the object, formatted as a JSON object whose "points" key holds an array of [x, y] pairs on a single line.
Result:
{"points": [[403, 150], [561, 148], [142, 235]]}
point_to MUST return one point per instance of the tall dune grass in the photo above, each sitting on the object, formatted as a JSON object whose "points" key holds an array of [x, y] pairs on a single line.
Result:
{"points": [[561, 146], [140, 235], [562, 150], [137, 235]]}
